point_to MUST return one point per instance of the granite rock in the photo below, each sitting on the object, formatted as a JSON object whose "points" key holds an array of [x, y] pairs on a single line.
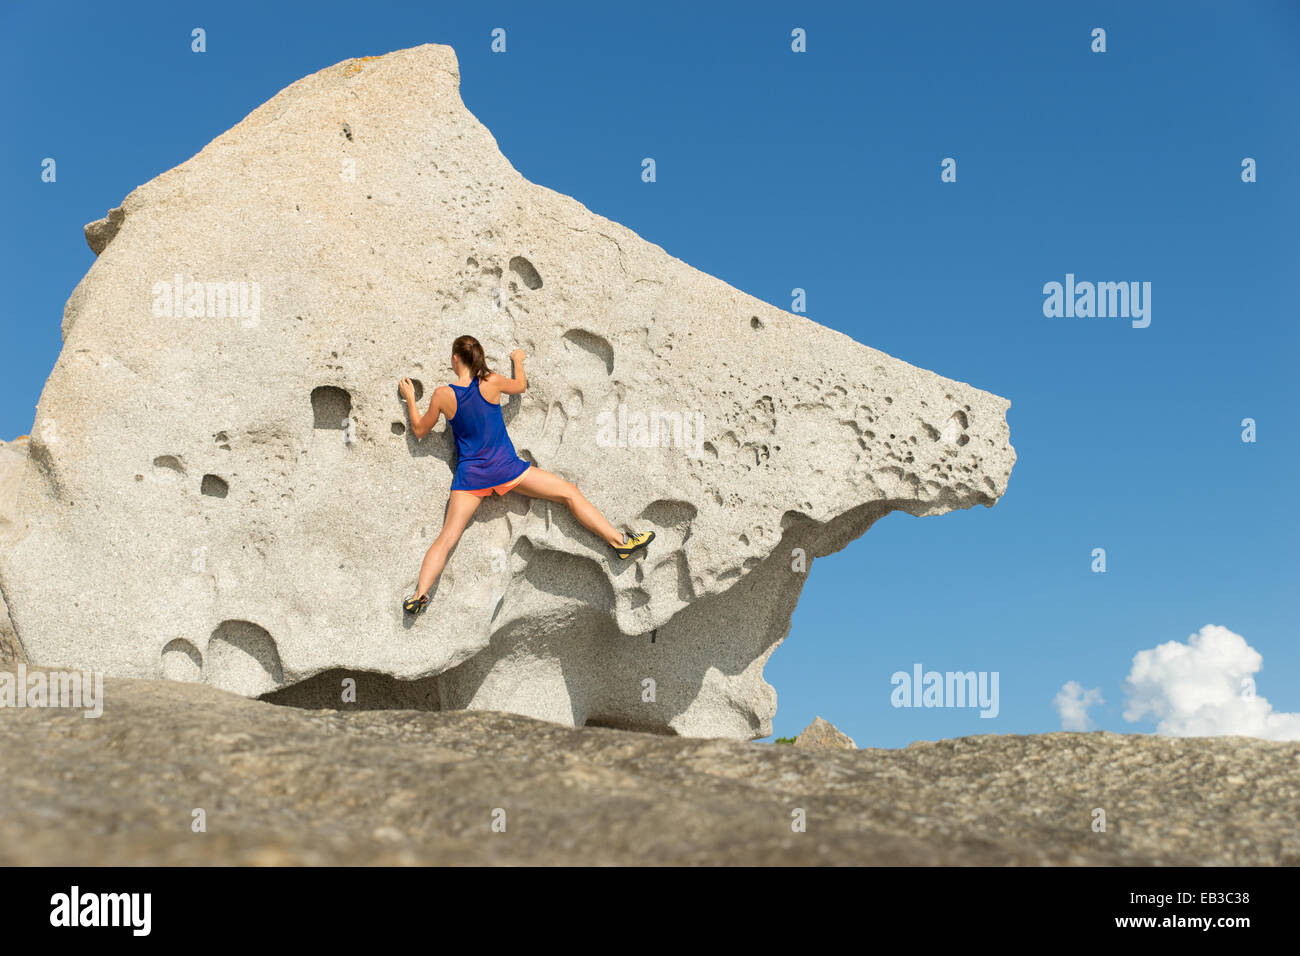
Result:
{"points": [[822, 733], [13, 464], [281, 785], [224, 487]]}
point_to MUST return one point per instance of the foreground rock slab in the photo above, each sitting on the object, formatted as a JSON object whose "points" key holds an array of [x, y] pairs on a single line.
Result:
{"points": [[282, 785]]}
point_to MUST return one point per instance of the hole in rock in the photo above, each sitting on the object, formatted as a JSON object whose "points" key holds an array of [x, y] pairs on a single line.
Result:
{"points": [[954, 430], [524, 269], [214, 487], [593, 344], [169, 463], [398, 428], [243, 659], [755, 323], [181, 661], [418, 386], [330, 406]]}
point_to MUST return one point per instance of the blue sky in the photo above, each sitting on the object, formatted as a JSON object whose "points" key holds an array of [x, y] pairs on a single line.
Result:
{"points": [[820, 171]]}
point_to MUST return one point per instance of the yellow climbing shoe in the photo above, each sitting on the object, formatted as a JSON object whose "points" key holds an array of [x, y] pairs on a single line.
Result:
{"points": [[633, 541]]}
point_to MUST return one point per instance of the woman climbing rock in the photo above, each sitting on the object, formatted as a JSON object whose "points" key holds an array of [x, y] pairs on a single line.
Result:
{"points": [[487, 462]]}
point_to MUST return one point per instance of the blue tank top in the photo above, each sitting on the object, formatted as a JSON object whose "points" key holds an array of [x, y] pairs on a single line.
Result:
{"points": [[485, 456]]}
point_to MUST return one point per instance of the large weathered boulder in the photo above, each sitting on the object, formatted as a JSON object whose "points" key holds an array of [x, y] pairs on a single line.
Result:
{"points": [[13, 461], [223, 488]]}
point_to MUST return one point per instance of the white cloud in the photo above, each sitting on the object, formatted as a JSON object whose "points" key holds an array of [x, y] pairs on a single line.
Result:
{"points": [[1204, 688], [1072, 703]]}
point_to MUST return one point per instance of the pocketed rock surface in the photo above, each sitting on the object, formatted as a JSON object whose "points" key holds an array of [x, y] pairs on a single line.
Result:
{"points": [[282, 785]]}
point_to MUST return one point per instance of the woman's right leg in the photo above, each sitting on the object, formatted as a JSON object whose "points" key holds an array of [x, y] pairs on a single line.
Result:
{"points": [[538, 483], [460, 509]]}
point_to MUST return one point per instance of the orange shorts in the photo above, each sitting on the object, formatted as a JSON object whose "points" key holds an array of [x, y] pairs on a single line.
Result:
{"points": [[499, 489]]}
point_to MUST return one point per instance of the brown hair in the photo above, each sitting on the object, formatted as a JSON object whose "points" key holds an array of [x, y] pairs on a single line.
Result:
{"points": [[470, 353]]}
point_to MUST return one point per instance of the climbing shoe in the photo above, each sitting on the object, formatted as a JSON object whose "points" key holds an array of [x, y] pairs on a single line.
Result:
{"points": [[414, 605], [632, 542]]}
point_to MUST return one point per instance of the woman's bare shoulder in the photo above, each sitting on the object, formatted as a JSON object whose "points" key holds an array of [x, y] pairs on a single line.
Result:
{"points": [[492, 386]]}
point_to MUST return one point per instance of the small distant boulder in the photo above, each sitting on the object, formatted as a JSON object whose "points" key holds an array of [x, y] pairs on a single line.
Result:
{"points": [[822, 733]]}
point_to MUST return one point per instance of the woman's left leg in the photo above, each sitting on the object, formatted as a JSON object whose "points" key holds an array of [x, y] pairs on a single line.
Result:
{"points": [[460, 509], [537, 483]]}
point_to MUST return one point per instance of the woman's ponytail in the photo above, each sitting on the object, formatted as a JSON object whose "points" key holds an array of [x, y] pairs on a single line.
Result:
{"points": [[467, 349]]}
